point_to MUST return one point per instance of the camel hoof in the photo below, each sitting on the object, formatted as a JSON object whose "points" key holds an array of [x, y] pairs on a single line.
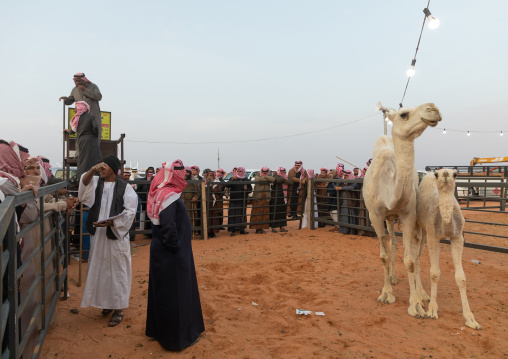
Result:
{"points": [[416, 311], [386, 298], [393, 279], [471, 323], [431, 314]]}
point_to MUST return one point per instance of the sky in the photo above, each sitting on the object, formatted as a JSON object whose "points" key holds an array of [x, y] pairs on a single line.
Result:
{"points": [[237, 71]]}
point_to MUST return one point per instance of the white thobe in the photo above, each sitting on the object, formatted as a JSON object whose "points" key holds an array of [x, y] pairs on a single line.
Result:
{"points": [[108, 279]]}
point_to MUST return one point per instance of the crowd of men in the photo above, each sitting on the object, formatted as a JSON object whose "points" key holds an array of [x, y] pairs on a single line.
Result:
{"points": [[273, 197]]}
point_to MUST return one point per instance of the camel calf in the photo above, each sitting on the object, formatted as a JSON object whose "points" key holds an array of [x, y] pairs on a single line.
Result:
{"points": [[439, 216]]}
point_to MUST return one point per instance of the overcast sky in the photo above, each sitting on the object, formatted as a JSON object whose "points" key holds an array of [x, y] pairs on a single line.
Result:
{"points": [[216, 71]]}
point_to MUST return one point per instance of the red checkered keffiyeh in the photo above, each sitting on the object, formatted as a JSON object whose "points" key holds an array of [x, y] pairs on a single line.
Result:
{"points": [[82, 76], [81, 107], [265, 171], [10, 162], [240, 172], [165, 188]]}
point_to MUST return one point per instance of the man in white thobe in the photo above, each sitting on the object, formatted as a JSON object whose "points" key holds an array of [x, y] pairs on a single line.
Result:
{"points": [[108, 280]]}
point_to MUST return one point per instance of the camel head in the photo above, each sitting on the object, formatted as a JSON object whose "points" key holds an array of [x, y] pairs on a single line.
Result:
{"points": [[445, 179], [409, 123]]}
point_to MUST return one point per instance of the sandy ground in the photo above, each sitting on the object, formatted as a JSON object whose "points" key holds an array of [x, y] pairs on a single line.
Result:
{"points": [[251, 286]]}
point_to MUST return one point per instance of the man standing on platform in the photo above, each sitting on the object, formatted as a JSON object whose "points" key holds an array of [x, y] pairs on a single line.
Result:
{"points": [[90, 93]]}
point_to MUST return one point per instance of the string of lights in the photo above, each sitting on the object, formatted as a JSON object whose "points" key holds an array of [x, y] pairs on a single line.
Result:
{"points": [[258, 139], [433, 24], [445, 130]]}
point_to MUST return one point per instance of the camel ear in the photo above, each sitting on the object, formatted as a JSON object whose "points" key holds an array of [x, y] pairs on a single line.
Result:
{"points": [[455, 173], [436, 174]]}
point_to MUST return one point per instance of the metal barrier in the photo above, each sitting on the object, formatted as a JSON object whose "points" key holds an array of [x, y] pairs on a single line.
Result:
{"points": [[267, 208], [22, 323], [348, 204], [352, 214]]}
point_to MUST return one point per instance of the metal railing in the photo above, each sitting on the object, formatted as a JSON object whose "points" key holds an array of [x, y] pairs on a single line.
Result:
{"points": [[353, 215], [24, 325]]}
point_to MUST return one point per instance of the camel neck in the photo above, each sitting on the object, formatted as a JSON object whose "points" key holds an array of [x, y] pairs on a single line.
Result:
{"points": [[405, 162]]}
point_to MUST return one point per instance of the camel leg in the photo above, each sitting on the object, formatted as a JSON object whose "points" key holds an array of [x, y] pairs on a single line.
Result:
{"points": [[435, 274], [420, 240], [393, 250], [387, 291], [457, 244], [408, 226]]}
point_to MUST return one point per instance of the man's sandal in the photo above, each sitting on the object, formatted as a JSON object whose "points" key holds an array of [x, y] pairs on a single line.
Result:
{"points": [[106, 311], [115, 319]]}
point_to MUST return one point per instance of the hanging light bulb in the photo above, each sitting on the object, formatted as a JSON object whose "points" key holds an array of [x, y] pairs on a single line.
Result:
{"points": [[411, 71], [468, 133], [444, 131], [433, 22], [501, 133]]}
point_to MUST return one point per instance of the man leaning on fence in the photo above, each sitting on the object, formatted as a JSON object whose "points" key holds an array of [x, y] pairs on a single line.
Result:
{"points": [[113, 207], [297, 193]]}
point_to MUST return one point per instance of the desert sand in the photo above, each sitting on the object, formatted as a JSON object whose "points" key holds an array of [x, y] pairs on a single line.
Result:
{"points": [[251, 286]]}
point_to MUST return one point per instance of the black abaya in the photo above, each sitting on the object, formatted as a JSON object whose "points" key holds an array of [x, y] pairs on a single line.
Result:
{"points": [[174, 316]]}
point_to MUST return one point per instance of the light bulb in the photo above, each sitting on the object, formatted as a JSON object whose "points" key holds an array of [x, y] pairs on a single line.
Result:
{"points": [[444, 131], [501, 133], [411, 71], [433, 22], [387, 119], [468, 133]]}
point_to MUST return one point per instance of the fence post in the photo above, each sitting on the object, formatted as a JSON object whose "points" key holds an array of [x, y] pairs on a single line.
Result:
{"points": [[309, 202], [13, 289], [204, 212], [43, 262], [80, 242]]}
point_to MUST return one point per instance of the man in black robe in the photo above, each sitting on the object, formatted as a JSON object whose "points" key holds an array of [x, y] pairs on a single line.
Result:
{"points": [[174, 316]]}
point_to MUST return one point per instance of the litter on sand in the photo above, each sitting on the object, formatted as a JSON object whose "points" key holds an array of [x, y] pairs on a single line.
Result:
{"points": [[255, 304], [308, 312], [303, 312]]}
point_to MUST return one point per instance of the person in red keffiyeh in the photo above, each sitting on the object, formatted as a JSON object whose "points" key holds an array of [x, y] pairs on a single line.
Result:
{"points": [[88, 149], [278, 206], [348, 203], [165, 188], [88, 92], [321, 198], [81, 107], [174, 317], [238, 198], [297, 192], [260, 201]]}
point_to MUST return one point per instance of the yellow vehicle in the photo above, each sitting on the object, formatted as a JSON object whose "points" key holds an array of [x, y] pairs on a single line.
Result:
{"points": [[477, 160]]}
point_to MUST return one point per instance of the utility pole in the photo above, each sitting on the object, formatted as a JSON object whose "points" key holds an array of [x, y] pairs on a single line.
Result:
{"points": [[385, 123], [218, 157]]}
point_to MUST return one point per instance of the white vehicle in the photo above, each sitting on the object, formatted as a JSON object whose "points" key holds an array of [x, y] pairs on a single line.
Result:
{"points": [[58, 172], [250, 175]]}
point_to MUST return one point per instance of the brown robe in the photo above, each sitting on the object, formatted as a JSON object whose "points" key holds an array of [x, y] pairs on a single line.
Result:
{"points": [[302, 192], [190, 193], [261, 202]]}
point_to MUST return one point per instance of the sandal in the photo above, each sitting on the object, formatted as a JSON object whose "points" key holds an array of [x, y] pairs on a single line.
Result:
{"points": [[106, 311], [115, 319]]}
